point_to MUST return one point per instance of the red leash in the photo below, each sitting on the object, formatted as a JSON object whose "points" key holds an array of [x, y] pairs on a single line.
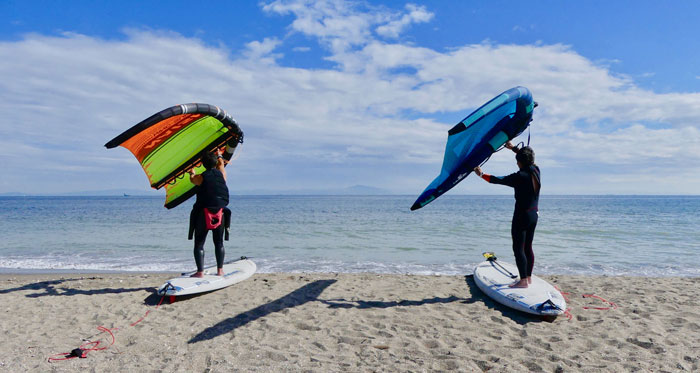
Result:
{"points": [[148, 311], [614, 306], [568, 314], [84, 348], [82, 351], [564, 294]]}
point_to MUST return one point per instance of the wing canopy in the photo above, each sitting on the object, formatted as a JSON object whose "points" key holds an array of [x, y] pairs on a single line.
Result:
{"points": [[476, 137], [169, 143]]}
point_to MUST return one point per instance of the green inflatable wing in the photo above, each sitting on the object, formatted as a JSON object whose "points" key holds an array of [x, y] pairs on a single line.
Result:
{"points": [[170, 142]]}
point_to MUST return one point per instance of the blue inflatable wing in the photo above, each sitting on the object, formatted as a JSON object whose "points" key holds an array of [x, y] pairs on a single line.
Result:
{"points": [[474, 139]]}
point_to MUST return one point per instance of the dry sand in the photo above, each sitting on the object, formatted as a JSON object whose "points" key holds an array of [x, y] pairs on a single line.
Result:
{"points": [[345, 322]]}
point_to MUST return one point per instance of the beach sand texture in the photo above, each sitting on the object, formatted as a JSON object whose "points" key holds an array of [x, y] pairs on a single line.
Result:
{"points": [[319, 322]]}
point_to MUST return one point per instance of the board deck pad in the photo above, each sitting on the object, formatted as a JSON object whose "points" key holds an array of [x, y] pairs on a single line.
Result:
{"points": [[540, 298], [234, 272]]}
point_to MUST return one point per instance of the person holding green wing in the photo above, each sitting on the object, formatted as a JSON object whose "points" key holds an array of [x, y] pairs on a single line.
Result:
{"points": [[207, 212]]}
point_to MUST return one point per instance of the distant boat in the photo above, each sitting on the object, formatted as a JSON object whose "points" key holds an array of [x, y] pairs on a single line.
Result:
{"points": [[126, 195]]}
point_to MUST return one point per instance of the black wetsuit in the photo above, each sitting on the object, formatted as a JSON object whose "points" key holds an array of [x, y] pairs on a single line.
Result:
{"points": [[526, 183], [212, 194]]}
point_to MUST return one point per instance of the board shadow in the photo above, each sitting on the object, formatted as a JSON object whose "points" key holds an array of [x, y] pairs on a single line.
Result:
{"points": [[363, 304]]}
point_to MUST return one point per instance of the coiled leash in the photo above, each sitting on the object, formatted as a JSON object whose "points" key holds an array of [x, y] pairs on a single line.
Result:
{"points": [[88, 346]]}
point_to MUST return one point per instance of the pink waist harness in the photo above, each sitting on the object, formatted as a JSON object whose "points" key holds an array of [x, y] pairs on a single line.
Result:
{"points": [[213, 220]]}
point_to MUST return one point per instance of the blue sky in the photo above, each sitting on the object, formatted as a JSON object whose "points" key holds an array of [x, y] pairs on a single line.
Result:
{"points": [[332, 94]]}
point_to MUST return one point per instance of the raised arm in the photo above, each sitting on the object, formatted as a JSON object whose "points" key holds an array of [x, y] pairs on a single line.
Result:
{"points": [[509, 180], [195, 179], [481, 174], [220, 163]]}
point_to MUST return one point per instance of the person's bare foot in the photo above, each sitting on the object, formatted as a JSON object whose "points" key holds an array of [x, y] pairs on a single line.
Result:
{"points": [[219, 271], [529, 280], [198, 274], [520, 284]]}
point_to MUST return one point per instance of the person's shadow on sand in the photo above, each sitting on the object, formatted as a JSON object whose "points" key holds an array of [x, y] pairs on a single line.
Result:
{"points": [[50, 288], [311, 292], [306, 293]]}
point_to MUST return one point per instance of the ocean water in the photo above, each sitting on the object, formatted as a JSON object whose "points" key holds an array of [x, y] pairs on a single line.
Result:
{"points": [[598, 235]]}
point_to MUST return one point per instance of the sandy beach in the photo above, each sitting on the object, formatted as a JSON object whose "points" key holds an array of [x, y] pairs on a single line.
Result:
{"points": [[319, 322]]}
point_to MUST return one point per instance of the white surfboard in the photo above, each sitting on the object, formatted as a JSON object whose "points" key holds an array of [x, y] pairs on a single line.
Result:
{"points": [[234, 272], [540, 298]]}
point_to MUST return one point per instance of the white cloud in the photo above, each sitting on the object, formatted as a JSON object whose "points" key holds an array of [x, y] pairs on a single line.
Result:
{"points": [[65, 96], [334, 22], [416, 14], [343, 25], [261, 51]]}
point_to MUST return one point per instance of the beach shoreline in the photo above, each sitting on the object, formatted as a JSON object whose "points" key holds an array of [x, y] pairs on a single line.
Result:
{"points": [[323, 322]]}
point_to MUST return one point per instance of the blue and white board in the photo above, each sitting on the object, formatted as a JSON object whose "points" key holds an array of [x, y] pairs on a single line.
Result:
{"points": [[540, 298], [234, 272]]}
